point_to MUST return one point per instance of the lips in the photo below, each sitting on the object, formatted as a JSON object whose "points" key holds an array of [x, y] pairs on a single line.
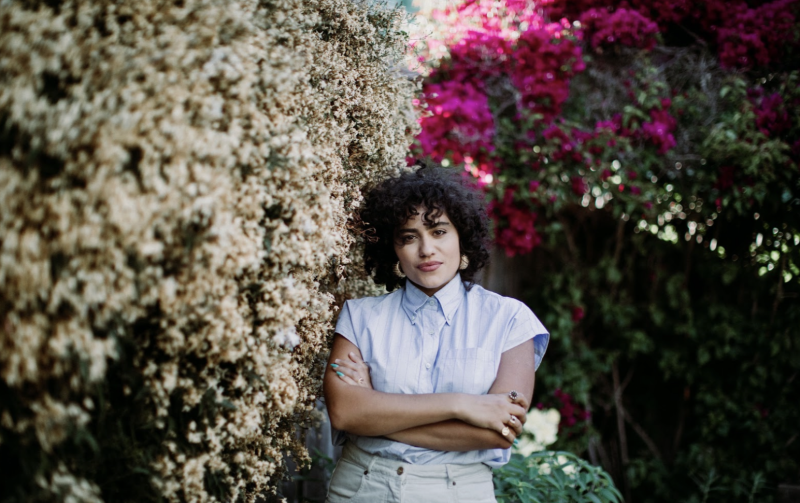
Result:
{"points": [[429, 266]]}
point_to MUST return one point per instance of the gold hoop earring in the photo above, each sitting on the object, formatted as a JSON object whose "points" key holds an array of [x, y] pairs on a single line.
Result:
{"points": [[397, 271], [464, 263]]}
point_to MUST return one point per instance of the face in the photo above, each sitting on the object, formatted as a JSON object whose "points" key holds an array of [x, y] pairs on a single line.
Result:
{"points": [[429, 254]]}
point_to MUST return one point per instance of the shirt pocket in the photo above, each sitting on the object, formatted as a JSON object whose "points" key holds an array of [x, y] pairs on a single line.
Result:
{"points": [[467, 370]]}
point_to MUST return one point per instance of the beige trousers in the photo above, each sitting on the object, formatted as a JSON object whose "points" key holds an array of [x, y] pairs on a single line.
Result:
{"points": [[360, 477]]}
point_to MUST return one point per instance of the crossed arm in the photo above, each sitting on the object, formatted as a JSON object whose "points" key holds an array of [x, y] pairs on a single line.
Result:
{"points": [[439, 421]]}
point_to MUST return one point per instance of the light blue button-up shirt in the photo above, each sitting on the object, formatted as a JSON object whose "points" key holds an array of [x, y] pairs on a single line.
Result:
{"points": [[448, 343]]}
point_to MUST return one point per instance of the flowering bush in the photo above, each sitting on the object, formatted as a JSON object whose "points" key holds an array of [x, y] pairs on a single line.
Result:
{"points": [[460, 124], [175, 184], [626, 27], [539, 431], [642, 171], [553, 477]]}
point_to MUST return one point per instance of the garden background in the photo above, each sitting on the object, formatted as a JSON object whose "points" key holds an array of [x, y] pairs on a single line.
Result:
{"points": [[177, 180]]}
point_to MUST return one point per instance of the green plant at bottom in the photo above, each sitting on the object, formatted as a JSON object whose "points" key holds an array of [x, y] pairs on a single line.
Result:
{"points": [[553, 477]]}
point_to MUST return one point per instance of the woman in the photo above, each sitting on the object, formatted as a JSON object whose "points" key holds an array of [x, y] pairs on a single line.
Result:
{"points": [[428, 386]]}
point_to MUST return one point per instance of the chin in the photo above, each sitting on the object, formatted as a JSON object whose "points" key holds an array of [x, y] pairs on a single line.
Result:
{"points": [[435, 280]]}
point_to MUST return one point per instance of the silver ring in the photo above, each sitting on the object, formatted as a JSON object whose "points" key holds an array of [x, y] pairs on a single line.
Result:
{"points": [[512, 419], [513, 395], [360, 380]]}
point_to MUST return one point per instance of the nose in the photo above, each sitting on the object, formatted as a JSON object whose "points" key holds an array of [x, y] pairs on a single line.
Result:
{"points": [[426, 248]]}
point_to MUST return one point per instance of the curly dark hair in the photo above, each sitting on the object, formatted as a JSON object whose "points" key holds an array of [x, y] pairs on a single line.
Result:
{"points": [[391, 202]]}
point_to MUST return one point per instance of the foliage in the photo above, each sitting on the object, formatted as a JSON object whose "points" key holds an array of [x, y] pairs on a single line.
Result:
{"points": [[176, 181], [553, 477], [649, 193]]}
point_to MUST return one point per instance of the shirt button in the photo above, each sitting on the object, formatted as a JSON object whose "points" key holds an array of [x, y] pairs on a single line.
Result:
{"points": [[400, 471], [431, 302], [430, 333], [427, 365]]}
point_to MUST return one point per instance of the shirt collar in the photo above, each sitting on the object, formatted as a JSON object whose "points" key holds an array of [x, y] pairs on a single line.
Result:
{"points": [[449, 298]]}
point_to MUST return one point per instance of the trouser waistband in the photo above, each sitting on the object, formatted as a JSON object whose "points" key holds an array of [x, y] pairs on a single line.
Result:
{"points": [[374, 463]]}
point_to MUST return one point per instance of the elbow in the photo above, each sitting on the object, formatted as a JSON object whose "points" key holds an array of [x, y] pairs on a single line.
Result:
{"points": [[338, 419]]}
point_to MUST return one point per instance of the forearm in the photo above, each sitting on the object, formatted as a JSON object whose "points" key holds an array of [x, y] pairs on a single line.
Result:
{"points": [[370, 413], [451, 435]]}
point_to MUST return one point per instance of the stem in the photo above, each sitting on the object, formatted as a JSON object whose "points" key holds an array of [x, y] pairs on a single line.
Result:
{"points": [[642, 434], [681, 422], [779, 290], [623, 439]]}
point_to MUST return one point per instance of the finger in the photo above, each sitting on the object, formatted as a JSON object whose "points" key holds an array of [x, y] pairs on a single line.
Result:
{"points": [[516, 426], [350, 369], [346, 378], [344, 364], [360, 364], [521, 400], [342, 370], [518, 411]]}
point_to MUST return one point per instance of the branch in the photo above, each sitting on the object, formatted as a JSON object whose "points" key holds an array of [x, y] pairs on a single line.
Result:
{"points": [[573, 250], [779, 290], [620, 237], [681, 421], [642, 434], [623, 439]]}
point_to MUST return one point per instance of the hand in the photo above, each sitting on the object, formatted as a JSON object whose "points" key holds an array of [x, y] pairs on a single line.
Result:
{"points": [[494, 412], [353, 371], [523, 402]]}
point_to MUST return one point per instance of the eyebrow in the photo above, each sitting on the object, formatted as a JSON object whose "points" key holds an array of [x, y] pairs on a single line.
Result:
{"points": [[431, 226]]}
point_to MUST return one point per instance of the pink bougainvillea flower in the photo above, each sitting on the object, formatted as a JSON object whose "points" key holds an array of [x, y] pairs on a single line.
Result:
{"points": [[543, 69], [459, 122], [579, 186], [516, 232], [622, 26]]}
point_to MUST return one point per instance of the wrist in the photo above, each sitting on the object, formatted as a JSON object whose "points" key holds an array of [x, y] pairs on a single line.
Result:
{"points": [[458, 407]]}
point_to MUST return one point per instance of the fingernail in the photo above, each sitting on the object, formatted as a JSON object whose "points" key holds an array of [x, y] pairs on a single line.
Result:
{"points": [[516, 441], [334, 365], [339, 374]]}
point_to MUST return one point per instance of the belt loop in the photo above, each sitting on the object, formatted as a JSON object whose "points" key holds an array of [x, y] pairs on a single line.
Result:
{"points": [[451, 479], [369, 466]]}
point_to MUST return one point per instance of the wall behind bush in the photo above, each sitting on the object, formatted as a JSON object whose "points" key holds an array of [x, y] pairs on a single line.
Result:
{"points": [[175, 180]]}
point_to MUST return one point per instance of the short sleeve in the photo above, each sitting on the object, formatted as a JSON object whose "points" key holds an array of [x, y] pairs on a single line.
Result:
{"points": [[525, 326], [345, 326]]}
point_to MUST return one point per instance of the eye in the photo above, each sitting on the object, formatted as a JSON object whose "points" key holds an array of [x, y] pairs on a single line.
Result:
{"points": [[407, 238], [439, 232]]}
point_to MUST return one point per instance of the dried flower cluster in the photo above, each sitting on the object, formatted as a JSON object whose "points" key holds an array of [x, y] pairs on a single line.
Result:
{"points": [[175, 182]]}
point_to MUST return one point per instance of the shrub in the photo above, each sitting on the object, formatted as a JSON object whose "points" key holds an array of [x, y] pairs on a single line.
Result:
{"points": [[553, 477], [649, 196], [176, 181]]}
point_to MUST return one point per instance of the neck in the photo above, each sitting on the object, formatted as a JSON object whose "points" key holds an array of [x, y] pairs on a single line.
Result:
{"points": [[430, 291]]}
